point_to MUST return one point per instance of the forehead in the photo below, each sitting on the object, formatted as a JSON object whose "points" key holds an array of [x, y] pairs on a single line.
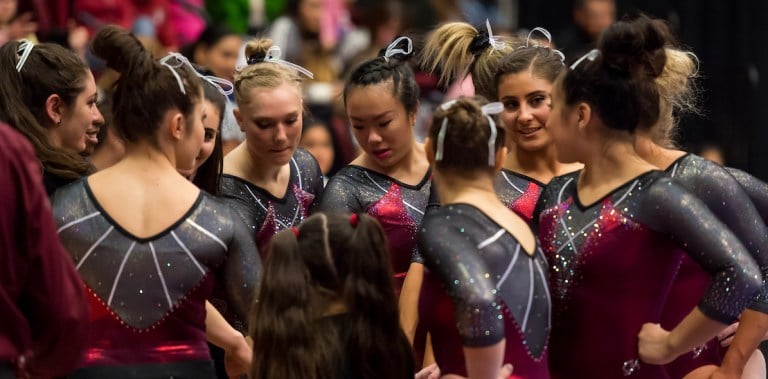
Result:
{"points": [[523, 83], [371, 100], [274, 102]]}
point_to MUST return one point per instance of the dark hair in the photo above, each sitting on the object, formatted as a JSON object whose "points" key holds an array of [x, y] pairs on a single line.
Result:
{"points": [[328, 258], [543, 62], [49, 69], [619, 83], [465, 146], [208, 175], [146, 89], [381, 70], [211, 35]]}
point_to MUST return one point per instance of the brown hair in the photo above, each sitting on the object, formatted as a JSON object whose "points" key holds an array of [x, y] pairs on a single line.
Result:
{"points": [[465, 145], [49, 69], [620, 83], [328, 258], [678, 93], [260, 74], [208, 175], [456, 49], [543, 62], [146, 89]]}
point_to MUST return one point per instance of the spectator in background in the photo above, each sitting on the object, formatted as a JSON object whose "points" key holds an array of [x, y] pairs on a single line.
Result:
{"points": [[316, 138], [13, 27], [590, 18], [234, 13], [43, 313]]}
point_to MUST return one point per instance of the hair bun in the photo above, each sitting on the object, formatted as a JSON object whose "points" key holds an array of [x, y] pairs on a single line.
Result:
{"points": [[121, 50], [635, 47], [256, 50]]}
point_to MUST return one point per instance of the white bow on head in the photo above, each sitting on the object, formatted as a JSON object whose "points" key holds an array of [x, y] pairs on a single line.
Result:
{"points": [[488, 110], [223, 85]]}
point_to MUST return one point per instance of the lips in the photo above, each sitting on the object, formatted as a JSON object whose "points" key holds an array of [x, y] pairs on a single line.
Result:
{"points": [[529, 131], [279, 151], [381, 153]]}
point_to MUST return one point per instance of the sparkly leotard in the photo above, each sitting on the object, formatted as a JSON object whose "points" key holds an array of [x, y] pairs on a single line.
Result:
{"points": [[480, 287], [612, 264], [397, 206], [756, 189], [727, 200], [147, 295], [518, 192], [266, 214]]}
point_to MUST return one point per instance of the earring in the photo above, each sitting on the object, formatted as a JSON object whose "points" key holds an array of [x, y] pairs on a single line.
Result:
{"points": [[58, 122]]}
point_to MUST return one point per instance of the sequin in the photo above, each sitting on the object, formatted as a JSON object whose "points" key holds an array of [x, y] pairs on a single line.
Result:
{"points": [[518, 192]]}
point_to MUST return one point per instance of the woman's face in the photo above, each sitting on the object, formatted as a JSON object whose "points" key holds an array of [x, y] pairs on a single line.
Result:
{"points": [[221, 58], [563, 126], [380, 123], [526, 100], [78, 118], [191, 142], [317, 140], [211, 123], [310, 13], [272, 123]]}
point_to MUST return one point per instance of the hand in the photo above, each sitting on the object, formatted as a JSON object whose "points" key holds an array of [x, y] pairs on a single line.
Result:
{"points": [[429, 372], [21, 27], [726, 336], [653, 345], [238, 359], [506, 371], [77, 37]]}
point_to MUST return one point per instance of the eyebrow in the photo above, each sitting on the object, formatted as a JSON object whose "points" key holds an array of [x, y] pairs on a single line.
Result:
{"points": [[377, 116], [288, 115]]}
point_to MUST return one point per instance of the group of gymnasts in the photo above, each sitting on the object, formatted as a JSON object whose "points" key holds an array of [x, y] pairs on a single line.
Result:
{"points": [[546, 228]]}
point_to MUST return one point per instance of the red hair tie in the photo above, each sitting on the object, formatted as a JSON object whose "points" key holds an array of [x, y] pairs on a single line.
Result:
{"points": [[353, 219], [295, 231]]}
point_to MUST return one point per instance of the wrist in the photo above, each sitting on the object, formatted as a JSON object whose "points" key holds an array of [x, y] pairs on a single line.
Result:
{"points": [[233, 341]]}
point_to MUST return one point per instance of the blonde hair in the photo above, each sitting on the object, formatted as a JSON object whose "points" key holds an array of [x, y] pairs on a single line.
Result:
{"points": [[456, 49], [678, 93], [262, 74]]}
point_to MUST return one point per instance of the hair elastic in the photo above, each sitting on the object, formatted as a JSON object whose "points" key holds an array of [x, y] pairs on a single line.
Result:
{"points": [[353, 219], [295, 231], [24, 49], [218, 83]]}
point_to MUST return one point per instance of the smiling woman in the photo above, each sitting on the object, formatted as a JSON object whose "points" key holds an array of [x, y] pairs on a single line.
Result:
{"points": [[271, 182], [49, 95]]}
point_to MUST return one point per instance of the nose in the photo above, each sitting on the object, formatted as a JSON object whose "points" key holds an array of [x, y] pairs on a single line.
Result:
{"points": [[524, 114], [374, 137], [281, 135], [98, 118]]}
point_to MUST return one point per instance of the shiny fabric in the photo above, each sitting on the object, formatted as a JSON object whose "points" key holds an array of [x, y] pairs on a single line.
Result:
{"points": [[518, 192], [612, 264], [723, 195], [397, 206], [147, 295], [266, 214], [756, 189], [480, 287]]}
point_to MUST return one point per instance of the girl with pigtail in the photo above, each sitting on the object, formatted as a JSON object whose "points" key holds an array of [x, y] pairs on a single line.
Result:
{"points": [[150, 246], [519, 74], [326, 307], [271, 182], [615, 232]]}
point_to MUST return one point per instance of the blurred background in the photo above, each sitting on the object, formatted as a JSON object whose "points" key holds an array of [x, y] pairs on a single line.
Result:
{"points": [[329, 37]]}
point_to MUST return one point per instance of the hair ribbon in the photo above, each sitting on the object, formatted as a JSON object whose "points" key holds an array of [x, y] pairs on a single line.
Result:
{"points": [[495, 41], [222, 85], [273, 56], [392, 49], [546, 35], [591, 55], [487, 110], [24, 49]]}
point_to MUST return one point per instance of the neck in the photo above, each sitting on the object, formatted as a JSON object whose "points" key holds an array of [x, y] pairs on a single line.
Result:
{"points": [[53, 138], [409, 160], [259, 170], [614, 160], [148, 159], [654, 153], [454, 188], [540, 164]]}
